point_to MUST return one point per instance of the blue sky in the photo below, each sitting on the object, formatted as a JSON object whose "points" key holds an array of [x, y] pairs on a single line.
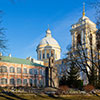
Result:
{"points": [[27, 20]]}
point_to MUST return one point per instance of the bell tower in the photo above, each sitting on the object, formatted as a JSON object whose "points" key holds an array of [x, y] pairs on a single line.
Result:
{"points": [[84, 32], [84, 38]]}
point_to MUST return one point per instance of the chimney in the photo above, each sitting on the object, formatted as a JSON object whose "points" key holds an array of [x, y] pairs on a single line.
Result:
{"points": [[32, 60], [29, 58], [0, 54], [9, 55]]}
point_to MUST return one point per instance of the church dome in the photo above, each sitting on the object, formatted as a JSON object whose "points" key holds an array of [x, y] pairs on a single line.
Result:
{"points": [[48, 40], [48, 47]]}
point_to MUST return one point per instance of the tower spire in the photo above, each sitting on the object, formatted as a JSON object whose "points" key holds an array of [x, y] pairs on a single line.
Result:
{"points": [[83, 10], [48, 32]]}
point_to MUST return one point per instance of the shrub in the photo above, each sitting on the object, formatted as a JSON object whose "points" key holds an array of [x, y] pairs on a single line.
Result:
{"points": [[64, 88], [79, 84], [1, 89], [88, 88]]}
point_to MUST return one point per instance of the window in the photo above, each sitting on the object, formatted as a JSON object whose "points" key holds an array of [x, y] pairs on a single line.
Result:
{"points": [[35, 82], [43, 72], [40, 71], [52, 54], [98, 41], [47, 55], [30, 71], [30, 81], [12, 69], [18, 70], [25, 81], [78, 39], [3, 81], [40, 56], [35, 71], [43, 56], [52, 60], [12, 81], [19, 81], [41, 82], [91, 39], [3, 69], [25, 70]]}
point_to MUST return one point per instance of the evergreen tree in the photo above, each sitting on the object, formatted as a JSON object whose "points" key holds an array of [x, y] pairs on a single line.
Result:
{"points": [[73, 76], [63, 80]]}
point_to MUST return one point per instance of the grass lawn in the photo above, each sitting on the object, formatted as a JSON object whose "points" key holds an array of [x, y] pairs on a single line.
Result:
{"points": [[44, 97]]}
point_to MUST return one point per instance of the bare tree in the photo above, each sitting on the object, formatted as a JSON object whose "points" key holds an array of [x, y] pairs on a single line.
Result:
{"points": [[3, 40], [86, 63]]}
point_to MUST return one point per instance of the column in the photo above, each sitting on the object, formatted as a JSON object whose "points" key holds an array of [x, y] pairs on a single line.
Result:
{"points": [[15, 76], [15, 81], [50, 53], [37, 54], [54, 55], [28, 77], [82, 36], [41, 54], [45, 53], [8, 76], [86, 33], [75, 40]]}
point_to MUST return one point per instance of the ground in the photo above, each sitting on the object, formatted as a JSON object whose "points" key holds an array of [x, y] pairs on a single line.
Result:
{"points": [[4, 96]]}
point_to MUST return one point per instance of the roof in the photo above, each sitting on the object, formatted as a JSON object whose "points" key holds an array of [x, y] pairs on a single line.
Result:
{"points": [[49, 40], [18, 61]]}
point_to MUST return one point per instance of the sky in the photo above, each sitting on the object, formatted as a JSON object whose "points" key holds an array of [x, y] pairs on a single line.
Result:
{"points": [[26, 21]]}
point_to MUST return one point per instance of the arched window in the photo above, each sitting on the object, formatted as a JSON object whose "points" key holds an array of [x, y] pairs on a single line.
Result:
{"points": [[19, 81], [18, 70], [12, 81], [25, 81], [3, 69], [41, 83], [47, 55], [43, 55], [35, 71], [98, 45], [40, 71], [40, 56], [30, 81], [35, 82], [98, 39], [25, 70], [30, 71], [52, 54], [12, 69], [78, 39], [43, 72], [3, 81], [91, 39]]}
